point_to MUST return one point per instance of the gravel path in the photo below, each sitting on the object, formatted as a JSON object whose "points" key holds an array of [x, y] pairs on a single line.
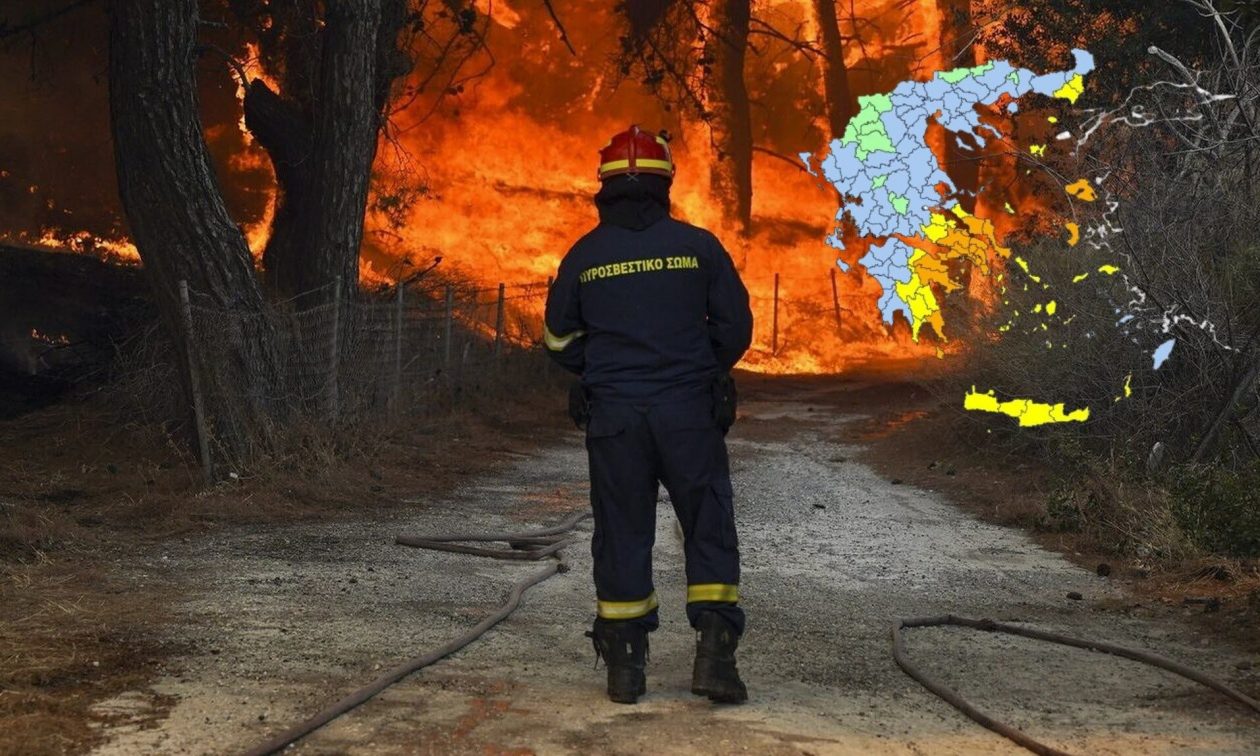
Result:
{"points": [[282, 621]]}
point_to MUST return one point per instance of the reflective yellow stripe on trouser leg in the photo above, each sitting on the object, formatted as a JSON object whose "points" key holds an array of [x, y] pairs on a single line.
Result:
{"points": [[626, 610], [722, 592]]}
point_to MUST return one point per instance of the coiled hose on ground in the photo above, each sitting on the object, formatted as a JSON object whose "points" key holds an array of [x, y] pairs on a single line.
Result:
{"points": [[530, 546], [536, 545], [984, 720]]}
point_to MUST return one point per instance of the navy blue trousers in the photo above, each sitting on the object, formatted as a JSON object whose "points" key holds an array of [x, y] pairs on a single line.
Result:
{"points": [[632, 448]]}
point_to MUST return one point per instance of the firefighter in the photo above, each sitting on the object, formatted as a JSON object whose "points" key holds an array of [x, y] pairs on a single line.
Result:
{"points": [[652, 315]]}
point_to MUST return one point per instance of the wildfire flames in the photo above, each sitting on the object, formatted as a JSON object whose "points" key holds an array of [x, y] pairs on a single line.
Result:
{"points": [[497, 178], [84, 242]]}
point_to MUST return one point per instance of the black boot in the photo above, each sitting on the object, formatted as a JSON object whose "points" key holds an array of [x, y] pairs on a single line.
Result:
{"points": [[623, 647], [714, 674]]}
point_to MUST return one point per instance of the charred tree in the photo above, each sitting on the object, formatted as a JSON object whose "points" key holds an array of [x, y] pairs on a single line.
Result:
{"points": [[841, 103], [958, 51], [335, 62], [729, 113], [956, 35], [173, 204], [691, 54]]}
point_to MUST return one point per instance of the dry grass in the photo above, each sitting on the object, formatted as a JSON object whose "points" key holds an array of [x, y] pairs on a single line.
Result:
{"points": [[80, 473], [82, 483], [1098, 519], [71, 637]]}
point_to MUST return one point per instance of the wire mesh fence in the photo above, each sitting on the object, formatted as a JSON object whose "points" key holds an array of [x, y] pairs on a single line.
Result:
{"points": [[351, 359], [339, 359]]}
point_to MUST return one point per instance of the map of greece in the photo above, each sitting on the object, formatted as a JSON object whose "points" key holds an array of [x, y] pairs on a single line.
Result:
{"points": [[904, 206]]}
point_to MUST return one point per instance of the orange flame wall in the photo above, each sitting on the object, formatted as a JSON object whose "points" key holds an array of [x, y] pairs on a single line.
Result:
{"points": [[505, 169], [509, 168]]}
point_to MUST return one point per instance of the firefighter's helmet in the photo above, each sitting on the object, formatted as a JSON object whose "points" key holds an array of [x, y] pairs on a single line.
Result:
{"points": [[636, 151]]}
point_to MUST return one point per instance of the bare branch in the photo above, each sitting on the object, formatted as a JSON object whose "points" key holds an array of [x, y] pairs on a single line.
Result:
{"points": [[1208, 9], [794, 162], [807, 49], [564, 36], [7, 31], [235, 64]]}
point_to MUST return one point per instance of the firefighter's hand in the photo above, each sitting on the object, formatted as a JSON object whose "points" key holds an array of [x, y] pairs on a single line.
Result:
{"points": [[579, 405]]}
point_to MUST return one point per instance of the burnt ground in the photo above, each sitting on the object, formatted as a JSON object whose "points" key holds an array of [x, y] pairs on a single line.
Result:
{"points": [[88, 490], [63, 318], [249, 628]]}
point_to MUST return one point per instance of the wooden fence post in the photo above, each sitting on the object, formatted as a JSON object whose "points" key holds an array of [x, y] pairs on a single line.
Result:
{"points": [[194, 383], [498, 323], [334, 351], [398, 339], [774, 335], [835, 297], [547, 357], [447, 327]]}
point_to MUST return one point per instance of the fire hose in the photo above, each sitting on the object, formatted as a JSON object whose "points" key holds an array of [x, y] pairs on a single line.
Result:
{"points": [[984, 720], [529, 546], [540, 544]]}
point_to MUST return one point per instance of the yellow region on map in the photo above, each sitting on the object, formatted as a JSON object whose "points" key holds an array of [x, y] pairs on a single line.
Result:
{"points": [[917, 293], [1128, 387], [950, 235], [1072, 90], [1028, 412], [1023, 265]]}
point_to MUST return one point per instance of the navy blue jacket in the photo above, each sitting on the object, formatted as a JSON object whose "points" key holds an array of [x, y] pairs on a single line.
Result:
{"points": [[647, 313]]}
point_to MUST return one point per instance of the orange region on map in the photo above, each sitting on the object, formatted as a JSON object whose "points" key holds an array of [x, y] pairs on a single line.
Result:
{"points": [[1074, 231], [1082, 190], [951, 235]]}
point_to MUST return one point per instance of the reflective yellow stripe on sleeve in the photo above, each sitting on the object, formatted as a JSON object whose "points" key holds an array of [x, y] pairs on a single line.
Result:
{"points": [[712, 592], [559, 343], [624, 610]]}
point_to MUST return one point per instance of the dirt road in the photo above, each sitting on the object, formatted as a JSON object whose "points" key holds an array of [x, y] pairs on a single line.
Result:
{"points": [[281, 621]]}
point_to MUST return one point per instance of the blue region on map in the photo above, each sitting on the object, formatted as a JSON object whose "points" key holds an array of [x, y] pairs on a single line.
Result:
{"points": [[1162, 353], [888, 176]]}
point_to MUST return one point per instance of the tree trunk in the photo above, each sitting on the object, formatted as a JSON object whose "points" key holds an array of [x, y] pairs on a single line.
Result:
{"points": [[841, 104], [174, 208], [343, 145], [284, 131], [729, 111], [1212, 434], [322, 138]]}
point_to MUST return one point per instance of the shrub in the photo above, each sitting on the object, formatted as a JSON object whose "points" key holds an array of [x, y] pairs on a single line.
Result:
{"points": [[1219, 508]]}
